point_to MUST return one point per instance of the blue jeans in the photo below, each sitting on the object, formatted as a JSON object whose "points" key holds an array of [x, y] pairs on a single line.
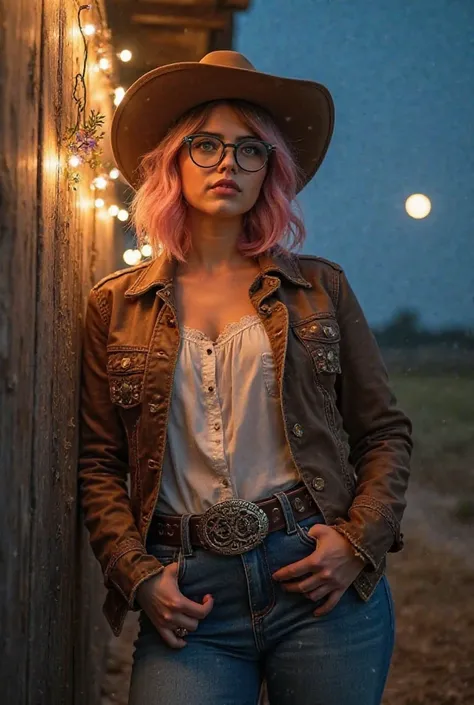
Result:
{"points": [[257, 630]]}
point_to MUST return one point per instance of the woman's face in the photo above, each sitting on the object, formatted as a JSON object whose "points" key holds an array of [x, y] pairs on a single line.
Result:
{"points": [[197, 183]]}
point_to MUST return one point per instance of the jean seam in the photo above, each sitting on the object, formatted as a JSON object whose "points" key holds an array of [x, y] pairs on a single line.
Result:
{"points": [[389, 645], [305, 539], [384, 579], [182, 565], [263, 613]]}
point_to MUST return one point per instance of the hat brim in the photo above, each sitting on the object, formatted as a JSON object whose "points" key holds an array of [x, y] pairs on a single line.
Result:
{"points": [[303, 110]]}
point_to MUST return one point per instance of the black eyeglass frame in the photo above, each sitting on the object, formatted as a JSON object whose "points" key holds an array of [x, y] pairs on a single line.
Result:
{"points": [[189, 140]]}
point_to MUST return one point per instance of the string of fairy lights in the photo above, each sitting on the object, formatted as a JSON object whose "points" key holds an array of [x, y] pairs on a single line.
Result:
{"points": [[83, 139]]}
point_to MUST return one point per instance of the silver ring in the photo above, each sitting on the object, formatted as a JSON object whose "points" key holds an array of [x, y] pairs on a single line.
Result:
{"points": [[181, 632]]}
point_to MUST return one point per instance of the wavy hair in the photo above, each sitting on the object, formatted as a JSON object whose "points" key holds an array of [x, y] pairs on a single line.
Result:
{"points": [[158, 208]]}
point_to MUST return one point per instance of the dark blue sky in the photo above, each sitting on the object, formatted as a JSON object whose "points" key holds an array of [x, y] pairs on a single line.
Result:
{"points": [[401, 73]]}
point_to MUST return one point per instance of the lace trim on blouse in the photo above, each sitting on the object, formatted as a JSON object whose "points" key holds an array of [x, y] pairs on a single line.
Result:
{"points": [[229, 330]]}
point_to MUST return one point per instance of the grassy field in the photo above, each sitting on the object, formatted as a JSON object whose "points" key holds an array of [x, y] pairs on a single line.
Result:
{"points": [[442, 410]]}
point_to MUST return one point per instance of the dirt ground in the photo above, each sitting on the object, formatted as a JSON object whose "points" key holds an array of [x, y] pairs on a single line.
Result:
{"points": [[433, 587]]}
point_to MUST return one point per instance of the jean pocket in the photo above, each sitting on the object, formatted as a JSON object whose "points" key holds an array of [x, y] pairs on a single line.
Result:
{"points": [[182, 565], [303, 527], [164, 553]]}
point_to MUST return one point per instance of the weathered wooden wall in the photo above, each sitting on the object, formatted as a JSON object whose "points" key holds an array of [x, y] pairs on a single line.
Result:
{"points": [[52, 251]]}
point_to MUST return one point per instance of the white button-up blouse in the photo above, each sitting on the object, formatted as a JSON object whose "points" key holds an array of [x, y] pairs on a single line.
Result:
{"points": [[225, 434]]}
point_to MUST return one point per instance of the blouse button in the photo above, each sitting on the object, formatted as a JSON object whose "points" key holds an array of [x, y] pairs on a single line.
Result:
{"points": [[217, 426], [210, 389], [209, 351]]}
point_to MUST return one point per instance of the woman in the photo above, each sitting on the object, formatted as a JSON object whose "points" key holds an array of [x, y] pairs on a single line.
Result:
{"points": [[224, 376]]}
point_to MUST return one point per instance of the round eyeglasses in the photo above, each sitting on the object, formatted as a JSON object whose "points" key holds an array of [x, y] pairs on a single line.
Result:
{"points": [[207, 151]]}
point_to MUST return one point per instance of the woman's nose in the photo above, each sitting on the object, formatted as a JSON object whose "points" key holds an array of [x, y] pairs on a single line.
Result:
{"points": [[228, 160]]}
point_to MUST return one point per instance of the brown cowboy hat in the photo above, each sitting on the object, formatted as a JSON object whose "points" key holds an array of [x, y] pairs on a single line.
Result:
{"points": [[303, 110]]}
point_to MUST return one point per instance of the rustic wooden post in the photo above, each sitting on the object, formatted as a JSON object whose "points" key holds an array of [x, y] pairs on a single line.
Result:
{"points": [[52, 250]]}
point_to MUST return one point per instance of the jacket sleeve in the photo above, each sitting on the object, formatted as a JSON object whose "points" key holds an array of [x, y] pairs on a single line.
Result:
{"points": [[103, 467], [379, 436]]}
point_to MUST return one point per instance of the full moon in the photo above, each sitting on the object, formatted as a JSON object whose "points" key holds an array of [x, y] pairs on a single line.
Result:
{"points": [[418, 205]]}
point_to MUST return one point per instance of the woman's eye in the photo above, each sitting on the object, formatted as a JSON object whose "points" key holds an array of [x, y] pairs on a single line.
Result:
{"points": [[252, 150], [206, 146]]}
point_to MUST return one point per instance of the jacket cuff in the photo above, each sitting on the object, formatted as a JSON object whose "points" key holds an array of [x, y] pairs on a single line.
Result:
{"points": [[131, 566], [370, 531]]}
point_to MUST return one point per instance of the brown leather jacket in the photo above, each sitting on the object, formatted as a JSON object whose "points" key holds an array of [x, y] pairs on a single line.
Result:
{"points": [[349, 441]]}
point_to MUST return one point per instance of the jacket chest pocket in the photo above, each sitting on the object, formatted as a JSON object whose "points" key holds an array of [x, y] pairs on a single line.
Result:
{"points": [[126, 371], [321, 338]]}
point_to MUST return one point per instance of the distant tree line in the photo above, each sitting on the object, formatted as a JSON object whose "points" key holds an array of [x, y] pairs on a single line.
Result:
{"points": [[406, 331]]}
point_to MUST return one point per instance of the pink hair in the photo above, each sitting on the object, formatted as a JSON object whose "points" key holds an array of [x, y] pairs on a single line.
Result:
{"points": [[158, 210]]}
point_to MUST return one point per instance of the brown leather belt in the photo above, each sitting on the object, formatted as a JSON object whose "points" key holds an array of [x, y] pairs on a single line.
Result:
{"points": [[233, 526]]}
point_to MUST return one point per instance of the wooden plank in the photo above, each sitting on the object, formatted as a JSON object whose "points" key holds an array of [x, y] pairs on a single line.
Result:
{"points": [[188, 21], [176, 4], [169, 15], [238, 5], [170, 3], [51, 252], [20, 51], [154, 46]]}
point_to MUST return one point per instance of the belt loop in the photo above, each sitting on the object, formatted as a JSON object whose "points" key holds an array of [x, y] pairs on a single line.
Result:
{"points": [[185, 537], [287, 512]]}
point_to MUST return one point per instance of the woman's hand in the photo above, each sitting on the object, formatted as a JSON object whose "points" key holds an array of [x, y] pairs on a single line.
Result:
{"points": [[333, 567], [168, 608]]}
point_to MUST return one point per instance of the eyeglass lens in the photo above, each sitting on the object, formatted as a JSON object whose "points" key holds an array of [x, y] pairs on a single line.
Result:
{"points": [[207, 151]]}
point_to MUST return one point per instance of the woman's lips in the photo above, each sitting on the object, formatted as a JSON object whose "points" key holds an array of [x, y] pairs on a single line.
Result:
{"points": [[225, 190]]}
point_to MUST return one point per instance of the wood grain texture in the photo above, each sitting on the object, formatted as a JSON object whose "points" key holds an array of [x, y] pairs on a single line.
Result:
{"points": [[52, 251]]}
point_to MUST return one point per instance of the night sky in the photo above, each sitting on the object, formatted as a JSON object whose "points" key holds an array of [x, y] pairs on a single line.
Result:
{"points": [[401, 73]]}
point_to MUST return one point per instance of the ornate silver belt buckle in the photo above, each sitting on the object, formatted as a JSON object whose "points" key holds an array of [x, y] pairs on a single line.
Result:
{"points": [[232, 527]]}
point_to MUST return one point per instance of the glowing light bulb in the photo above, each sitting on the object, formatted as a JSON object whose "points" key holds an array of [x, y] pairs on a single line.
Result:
{"points": [[113, 210], [146, 250], [125, 55], [99, 203], [132, 256], [100, 182], [74, 161], [89, 30], [104, 63], [122, 214], [119, 94], [114, 173]]}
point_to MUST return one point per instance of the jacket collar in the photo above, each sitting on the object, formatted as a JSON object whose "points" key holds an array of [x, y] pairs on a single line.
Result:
{"points": [[161, 270]]}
